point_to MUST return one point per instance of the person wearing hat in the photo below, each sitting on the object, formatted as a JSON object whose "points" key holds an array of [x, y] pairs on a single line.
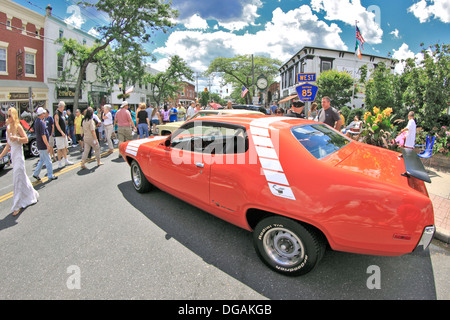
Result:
{"points": [[296, 110], [43, 146]]}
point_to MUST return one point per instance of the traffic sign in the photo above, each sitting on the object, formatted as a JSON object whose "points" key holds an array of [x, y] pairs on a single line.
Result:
{"points": [[307, 92], [306, 77]]}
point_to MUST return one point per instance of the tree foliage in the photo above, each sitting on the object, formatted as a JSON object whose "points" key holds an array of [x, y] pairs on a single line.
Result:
{"points": [[166, 85], [238, 71], [423, 87], [337, 85], [128, 20]]}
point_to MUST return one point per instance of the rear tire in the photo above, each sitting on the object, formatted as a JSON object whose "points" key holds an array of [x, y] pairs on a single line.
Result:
{"points": [[287, 246], [140, 182]]}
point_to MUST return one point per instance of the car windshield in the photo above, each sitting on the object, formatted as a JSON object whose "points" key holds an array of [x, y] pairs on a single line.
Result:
{"points": [[319, 139]]}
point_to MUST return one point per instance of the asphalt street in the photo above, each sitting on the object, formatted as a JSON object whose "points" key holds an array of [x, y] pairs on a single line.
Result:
{"points": [[91, 236]]}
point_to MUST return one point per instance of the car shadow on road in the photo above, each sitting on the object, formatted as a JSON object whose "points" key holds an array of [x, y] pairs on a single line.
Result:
{"points": [[229, 248]]}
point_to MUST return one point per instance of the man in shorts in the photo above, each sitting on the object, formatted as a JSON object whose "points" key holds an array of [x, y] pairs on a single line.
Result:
{"points": [[124, 124], [60, 135]]}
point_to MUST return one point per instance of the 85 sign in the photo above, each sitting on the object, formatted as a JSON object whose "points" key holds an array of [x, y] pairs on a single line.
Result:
{"points": [[307, 92]]}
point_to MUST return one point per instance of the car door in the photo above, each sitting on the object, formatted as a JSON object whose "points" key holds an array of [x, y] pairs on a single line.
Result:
{"points": [[180, 167]]}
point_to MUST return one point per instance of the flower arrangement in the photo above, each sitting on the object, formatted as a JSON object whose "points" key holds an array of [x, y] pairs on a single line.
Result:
{"points": [[378, 128], [442, 143]]}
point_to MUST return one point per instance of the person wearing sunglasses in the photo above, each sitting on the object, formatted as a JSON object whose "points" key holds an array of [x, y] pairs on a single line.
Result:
{"points": [[24, 193]]}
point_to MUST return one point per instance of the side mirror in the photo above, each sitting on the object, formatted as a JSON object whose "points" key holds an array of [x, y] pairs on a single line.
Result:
{"points": [[167, 143]]}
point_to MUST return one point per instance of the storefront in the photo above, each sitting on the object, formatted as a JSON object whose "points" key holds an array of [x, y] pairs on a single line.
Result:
{"points": [[15, 93], [67, 95]]}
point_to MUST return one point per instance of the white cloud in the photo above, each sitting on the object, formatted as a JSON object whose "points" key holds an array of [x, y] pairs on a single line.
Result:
{"points": [[94, 32], [395, 33], [249, 15], [404, 53], [348, 11], [282, 37], [195, 22], [440, 9]]}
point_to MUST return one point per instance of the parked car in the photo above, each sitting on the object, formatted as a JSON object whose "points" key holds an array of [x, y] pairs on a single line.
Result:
{"points": [[250, 107], [299, 185], [30, 148], [169, 127], [6, 158]]}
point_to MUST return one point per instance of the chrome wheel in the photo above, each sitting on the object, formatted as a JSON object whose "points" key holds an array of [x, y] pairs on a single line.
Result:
{"points": [[288, 246], [34, 151], [140, 182], [283, 247], [136, 174]]}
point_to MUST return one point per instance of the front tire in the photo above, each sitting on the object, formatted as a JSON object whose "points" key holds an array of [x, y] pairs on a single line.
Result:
{"points": [[287, 246], [140, 182]]}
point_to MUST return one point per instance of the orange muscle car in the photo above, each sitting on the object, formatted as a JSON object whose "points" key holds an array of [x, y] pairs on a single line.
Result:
{"points": [[298, 185]]}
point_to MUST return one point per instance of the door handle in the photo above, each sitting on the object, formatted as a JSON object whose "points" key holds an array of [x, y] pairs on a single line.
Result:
{"points": [[200, 165]]}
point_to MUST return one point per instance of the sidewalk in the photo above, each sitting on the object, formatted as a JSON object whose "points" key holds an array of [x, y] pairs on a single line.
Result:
{"points": [[439, 192]]}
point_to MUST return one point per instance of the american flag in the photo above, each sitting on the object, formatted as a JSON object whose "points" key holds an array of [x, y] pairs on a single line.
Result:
{"points": [[359, 37], [244, 92]]}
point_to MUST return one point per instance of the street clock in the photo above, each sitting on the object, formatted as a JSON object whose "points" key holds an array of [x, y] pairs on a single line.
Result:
{"points": [[261, 83]]}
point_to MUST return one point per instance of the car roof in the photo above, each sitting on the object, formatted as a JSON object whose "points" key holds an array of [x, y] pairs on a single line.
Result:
{"points": [[257, 120]]}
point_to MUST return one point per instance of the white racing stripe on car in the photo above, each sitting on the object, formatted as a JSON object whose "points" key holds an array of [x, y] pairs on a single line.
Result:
{"points": [[268, 157], [133, 146]]}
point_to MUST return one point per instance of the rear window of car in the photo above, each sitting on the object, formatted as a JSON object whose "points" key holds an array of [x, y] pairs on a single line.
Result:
{"points": [[319, 139]]}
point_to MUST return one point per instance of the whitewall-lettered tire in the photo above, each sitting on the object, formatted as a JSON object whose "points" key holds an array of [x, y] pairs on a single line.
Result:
{"points": [[288, 247]]}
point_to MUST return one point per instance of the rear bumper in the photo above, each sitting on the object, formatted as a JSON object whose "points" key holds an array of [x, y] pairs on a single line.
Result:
{"points": [[425, 240]]}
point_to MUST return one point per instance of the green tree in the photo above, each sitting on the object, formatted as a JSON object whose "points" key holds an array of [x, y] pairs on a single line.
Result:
{"points": [[428, 88], [380, 89], [239, 71], [128, 20], [337, 85], [126, 64], [167, 84]]}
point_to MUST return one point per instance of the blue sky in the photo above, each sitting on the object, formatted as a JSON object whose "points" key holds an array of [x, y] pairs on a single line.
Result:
{"points": [[207, 29]]}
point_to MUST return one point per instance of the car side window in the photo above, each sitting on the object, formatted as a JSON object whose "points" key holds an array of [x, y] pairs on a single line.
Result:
{"points": [[210, 138]]}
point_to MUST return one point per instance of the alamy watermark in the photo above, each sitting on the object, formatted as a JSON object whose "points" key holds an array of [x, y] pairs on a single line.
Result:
{"points": [[74, 280], [374, 280]]}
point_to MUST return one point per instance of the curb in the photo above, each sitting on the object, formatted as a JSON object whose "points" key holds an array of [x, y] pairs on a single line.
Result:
{"points": [[442, 235]]}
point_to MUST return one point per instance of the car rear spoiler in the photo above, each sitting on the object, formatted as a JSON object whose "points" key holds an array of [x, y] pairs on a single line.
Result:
{"points": [[414, 167]]}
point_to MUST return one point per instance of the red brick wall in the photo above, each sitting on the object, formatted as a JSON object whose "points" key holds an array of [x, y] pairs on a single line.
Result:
{"points": [[17, 41]]}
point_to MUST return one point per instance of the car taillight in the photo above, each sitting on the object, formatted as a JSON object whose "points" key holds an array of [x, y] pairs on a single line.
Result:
{"points": [[418, 185]]}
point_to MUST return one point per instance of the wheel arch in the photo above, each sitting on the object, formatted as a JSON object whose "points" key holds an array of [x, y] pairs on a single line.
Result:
{"points": [[254, 216]]}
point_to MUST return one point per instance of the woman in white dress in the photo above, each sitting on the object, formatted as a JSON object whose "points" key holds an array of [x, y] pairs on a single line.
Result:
{"points": [[24, 193]]}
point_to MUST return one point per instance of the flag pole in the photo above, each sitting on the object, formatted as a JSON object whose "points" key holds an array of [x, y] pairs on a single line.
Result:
{"points": [[356, 43]]}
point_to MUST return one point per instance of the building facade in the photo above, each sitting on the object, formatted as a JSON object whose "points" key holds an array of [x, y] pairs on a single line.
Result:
{"points": [[142, 93], [187, 94], [317, 60], [93, 92], [22, 82]]}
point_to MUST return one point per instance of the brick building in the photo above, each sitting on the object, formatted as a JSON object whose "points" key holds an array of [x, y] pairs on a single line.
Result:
{"points": [[21, 60]]}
